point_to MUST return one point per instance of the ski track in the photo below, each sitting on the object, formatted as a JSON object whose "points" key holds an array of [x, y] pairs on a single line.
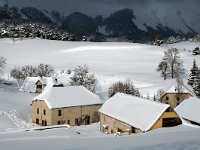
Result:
{"points": [[16, 119]]}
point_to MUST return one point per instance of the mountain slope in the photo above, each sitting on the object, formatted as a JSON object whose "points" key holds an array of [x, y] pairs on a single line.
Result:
{"points": [[125, 24]]}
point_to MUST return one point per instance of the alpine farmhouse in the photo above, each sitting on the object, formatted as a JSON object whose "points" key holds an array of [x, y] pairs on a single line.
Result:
{"points": [[176, 94], [73, 105], [126, 113]]}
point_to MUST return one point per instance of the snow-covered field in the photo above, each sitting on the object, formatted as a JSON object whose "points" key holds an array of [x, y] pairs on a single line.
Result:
{"points": [[110, 62]]}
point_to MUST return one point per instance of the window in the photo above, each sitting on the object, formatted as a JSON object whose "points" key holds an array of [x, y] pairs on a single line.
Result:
{"points": [[37, 120], [38, 111], [59, 112], [68, 122], [44, 122], [87, 120], [44, 112], [76, 121], [61, 122], [39, 86], [167, 98]]}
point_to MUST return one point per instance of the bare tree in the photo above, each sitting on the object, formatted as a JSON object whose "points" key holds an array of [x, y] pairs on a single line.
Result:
{"points": [[82, 77], [3, 63], [45, 70], [171, 64], [163, 67], [123, 87], [17, 74], [21, 73]]}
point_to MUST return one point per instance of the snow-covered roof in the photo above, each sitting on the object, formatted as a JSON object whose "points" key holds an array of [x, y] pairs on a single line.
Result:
{"points": [[184, 89], [135, 111], [29, 84], [47, 80], [59, 97], [189, 109]]}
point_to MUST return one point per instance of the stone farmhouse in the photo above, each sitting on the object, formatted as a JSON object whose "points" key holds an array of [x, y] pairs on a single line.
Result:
{"points": [[126, 113], [73, 105], [176, 94]]}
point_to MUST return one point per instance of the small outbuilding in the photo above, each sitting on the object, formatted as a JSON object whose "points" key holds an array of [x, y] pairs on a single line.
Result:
{"points": [[38, 84], [126, 113], [176, 94], [73, 105], [42, 82], [189, 110]]}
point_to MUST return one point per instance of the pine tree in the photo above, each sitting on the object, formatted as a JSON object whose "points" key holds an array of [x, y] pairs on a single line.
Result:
{"points": [[193, 74], [196, 84]]}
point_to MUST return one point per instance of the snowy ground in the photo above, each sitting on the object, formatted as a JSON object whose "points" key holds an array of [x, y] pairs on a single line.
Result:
{"points": [[177, 138], [110, 62]]}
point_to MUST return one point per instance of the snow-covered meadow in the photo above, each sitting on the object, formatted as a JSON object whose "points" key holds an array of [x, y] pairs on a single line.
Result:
{"points": [[110, 62]]}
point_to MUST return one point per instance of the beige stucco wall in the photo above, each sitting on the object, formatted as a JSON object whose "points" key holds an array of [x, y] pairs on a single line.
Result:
{"points": [[68, 113], [173, 98], [79, 112], [113, 124], [41, 105]]}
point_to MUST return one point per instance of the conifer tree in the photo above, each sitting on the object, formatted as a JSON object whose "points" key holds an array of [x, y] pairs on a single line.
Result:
{"points": [[193, 74], [196, 84]]}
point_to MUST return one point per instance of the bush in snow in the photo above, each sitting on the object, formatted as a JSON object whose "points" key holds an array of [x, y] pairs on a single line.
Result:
{"points": [[196, 51], [123, 87], [69, 71], [2, 63], [82, 77]]}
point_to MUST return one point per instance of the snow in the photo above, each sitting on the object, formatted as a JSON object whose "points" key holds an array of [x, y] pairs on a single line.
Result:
{"points": [[59, 97], [177, 138], [189, 109], [15, 110], [130, 109], [186, 45], [110, 62], [183, 87], [29, 84]]}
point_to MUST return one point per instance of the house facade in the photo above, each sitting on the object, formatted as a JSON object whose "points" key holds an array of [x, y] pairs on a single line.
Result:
{"points": [[73, 105], [174, 96], [125, 113], [40, 86]]}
